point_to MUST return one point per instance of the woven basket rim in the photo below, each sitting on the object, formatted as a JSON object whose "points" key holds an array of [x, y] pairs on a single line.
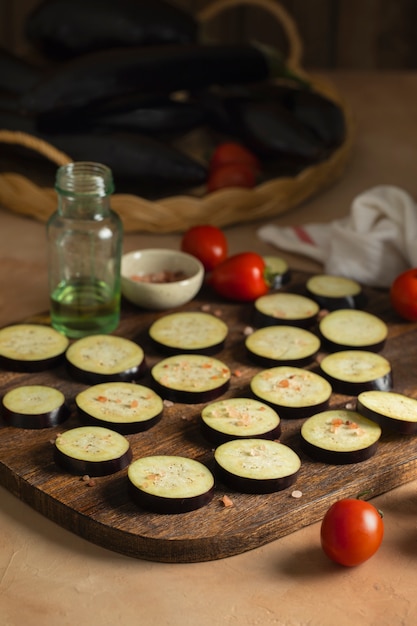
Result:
{"points": [[221, 208]]}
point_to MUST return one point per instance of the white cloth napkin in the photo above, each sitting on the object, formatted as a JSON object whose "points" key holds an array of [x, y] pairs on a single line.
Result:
{"points": [[373, 244]]}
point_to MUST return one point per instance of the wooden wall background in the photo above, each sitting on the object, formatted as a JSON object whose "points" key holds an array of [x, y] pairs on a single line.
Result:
{"points": [[352, 34]]}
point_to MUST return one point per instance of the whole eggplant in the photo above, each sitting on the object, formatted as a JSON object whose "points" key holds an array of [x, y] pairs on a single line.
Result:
{"points": [[93, 78], [63, 29], [264, 126], [16, 74], [153, 166]]}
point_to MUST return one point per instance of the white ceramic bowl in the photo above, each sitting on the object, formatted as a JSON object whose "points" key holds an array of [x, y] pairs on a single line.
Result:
{"points": [[160, 295]]}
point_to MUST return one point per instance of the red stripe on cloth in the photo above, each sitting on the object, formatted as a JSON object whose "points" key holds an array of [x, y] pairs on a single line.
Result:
{"points": [[303, 235]]}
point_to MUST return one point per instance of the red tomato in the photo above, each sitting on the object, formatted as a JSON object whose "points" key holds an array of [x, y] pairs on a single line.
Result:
{"points": [[403, 295], [240, 277], [231, 152], [231, 175], [351, 531], [207, 243]]}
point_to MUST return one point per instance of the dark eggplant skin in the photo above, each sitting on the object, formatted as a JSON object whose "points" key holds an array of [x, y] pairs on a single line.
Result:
{"points": [[332, 457], [387, 422], [92, 468], [82, 82], [189, 397], [91, 378], [344, 302], [63, 29], [169, 506], [124, 428], [265, 126], [218, 437], [42, 365], [250, 485], [266, 362], [16, 75], [383, 383], [160, 116], [36, 422], [147, 161]]}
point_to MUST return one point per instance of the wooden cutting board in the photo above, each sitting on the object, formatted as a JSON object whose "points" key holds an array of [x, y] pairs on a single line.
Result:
{"points": [[104, 514]]}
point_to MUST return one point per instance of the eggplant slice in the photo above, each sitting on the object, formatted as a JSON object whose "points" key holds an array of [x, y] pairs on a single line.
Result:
{"points": [[239, 418], [103, 358], [353, 371], [34, 406], [256, 465], [394, 411], [170, 484], [340, 437], [292, 391], [189, 332], [92, 450], [282, 345], [190, 378], [285, 308], [335, 292], [350, 329], [31, 347], [122, 406]]}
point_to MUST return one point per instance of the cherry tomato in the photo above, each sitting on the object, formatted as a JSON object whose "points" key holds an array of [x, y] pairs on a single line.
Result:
{"points": [[240, 277], [403, 295], [231, 152], [231, 175], [207, 243], [351, 531]]}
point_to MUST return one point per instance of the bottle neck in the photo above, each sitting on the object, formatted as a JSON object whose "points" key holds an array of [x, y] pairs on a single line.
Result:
{"points": [[84, 190]]}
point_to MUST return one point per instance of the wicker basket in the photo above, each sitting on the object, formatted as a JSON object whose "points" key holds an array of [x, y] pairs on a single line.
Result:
{"points": [[221, 208]]}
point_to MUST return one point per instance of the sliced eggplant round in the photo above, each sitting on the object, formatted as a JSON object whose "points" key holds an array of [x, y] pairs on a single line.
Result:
{"points": [[34, 406], [104, 358], [189, 332], [190, 378], [277, 271], [31, 347], [92, 450], [353, 371], [350, 329], [282, 345], [292, 391], [393, 411], [238, 418], [335, 292], [256, 465], [340, 437], [122, 406], [285, 308], [170, 484]]}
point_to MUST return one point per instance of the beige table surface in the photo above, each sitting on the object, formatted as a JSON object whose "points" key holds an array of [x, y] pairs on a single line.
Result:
{"points": [[51, 577]]}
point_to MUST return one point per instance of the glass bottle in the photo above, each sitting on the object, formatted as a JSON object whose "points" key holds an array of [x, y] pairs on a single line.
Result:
{"points": [[84, 252]]}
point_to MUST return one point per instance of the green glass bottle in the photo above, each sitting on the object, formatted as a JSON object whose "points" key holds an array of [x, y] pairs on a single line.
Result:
{"points": [[84, 252]]}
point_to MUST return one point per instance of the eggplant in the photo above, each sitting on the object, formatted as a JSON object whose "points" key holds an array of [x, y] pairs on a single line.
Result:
{"points": [[34, 406], [277, 271], [96, 77], [31, 347], [239, 418], [256, 465], [190, 378], [352, 371], [340, 437], [395, 412], [92, 451], [105, 358], [335, 292], [267, 128], [151, 164], [292, 391], [63, 29], [158, 116], [351, 329], [170, 484], [189, 332], [291, 309], [282, 345], [124, 407], [16, 75]]}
